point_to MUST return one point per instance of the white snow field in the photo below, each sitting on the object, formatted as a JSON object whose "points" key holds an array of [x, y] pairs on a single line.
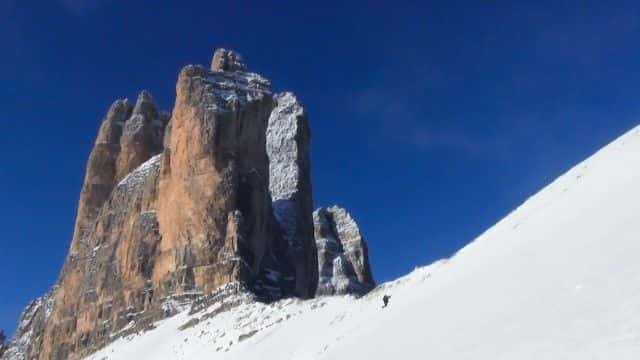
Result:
{"points": [[559, 278]]}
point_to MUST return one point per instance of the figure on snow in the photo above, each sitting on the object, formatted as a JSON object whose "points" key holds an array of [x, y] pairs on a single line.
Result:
{"points": [[385, 300]]}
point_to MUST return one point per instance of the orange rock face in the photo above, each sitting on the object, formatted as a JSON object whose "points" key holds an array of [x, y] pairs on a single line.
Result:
{"points": [[174, 210], [102, 276], [101, 172], [214, 207]]}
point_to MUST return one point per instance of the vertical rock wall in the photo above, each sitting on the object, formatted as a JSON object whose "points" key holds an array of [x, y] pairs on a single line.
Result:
{"points": [[343, 256], [288, 145]]}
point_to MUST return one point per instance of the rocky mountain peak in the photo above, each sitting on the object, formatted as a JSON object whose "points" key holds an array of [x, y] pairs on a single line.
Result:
{"points": [[142, 135], [145, 105], [343, 255], [227, 60], [211, 203], [111, 128]]}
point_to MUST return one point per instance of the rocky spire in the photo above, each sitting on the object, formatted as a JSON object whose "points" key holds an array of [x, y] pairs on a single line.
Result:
{"points": [[288, 144], [214, 208], [100, 175], [145, 105], [227, 60], [129, 135], [142, 135], [107, 218], [215, 201], [343, 257]]}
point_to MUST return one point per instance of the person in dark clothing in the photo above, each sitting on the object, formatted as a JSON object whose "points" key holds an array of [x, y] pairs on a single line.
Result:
{"points": [[385, 300]]}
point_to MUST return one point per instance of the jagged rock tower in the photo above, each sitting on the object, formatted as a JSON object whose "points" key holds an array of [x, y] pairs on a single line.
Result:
{"points": [[288, 139], [343, 256], [210, 202]]}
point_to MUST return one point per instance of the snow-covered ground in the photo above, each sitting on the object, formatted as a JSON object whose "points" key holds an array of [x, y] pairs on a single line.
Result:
{"points": [[559, 278]]}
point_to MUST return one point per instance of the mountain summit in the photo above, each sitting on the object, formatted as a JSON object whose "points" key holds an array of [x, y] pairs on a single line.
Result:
{"points": [[209, 204]]}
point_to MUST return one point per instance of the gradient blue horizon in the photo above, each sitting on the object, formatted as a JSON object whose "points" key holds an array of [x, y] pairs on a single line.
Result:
{"points": [[429, 122]]}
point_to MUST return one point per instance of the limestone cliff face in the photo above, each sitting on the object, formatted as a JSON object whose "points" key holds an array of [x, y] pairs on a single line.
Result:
{"points": [[214, 205], [288, 143], [184, 210], [101, 172], [343, 256], [102, 281], [128, 136]]}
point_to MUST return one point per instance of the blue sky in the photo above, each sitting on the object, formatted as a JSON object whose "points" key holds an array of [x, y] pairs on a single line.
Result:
{"points": [[430, 120]]}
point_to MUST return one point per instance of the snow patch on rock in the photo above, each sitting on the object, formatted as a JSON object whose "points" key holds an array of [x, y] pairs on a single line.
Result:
{"points": [[137, 177], [234, 89]]}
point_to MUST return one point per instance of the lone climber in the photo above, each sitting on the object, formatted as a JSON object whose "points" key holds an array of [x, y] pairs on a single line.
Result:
{"points": [[385, 300]]}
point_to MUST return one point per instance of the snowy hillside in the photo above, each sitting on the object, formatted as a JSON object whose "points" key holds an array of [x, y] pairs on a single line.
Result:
{"points": [[559, 278]]}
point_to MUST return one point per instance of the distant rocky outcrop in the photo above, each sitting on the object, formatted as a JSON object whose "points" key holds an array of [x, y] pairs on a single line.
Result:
{"points": [[343, 256], [210, 202]]}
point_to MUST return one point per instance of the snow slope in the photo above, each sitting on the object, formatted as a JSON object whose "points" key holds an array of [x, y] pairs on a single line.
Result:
{"points": [[559, 278]]}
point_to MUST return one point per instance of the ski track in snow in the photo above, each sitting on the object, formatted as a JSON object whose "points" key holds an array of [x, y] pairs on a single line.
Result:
{"points": [[559, 278]]}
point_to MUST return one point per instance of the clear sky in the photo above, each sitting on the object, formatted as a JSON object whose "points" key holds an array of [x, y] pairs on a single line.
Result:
{"points": [[430, 120]]}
